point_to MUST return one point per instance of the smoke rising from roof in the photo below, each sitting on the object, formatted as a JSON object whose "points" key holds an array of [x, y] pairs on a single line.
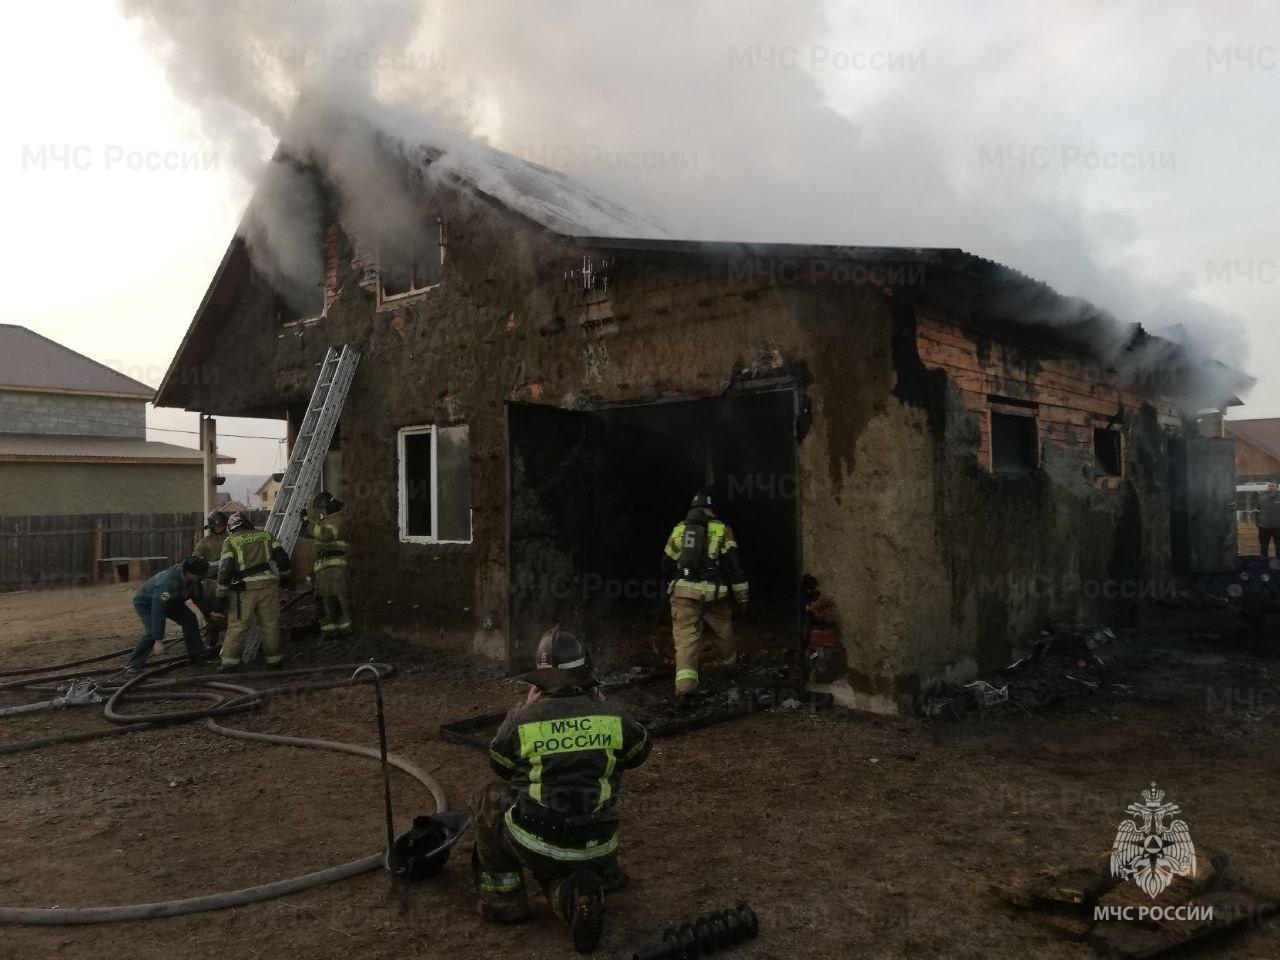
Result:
{"points": [[718, 120]]}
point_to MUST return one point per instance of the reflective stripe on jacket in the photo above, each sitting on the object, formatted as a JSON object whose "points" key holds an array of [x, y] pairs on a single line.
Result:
{"points": [[564, 755], [331, 548], [254, 558], [724, 565]]}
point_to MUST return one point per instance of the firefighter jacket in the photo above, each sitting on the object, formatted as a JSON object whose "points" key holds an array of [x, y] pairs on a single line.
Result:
{"points": [[251, 560], [210, 548], [166, 595], [721, 570], [331, 546], [564, 755]]}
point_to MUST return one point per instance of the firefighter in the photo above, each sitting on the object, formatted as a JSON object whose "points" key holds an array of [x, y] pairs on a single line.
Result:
{"points": [[165, 597], [703, 569], [249, 578], [210, 548], [560, 756], [329, 573]]}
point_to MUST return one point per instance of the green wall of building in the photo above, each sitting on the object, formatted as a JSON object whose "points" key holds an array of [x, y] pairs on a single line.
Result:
{"points": [[43, 489]]}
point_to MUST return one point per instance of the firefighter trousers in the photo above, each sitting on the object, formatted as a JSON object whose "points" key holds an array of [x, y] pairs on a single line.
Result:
{"points": [[242, 607], [498, 862], [332, 601], [696, 647]]}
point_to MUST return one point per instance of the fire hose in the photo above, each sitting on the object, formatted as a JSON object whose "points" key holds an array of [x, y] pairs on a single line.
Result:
{"points": [[216, 705]]}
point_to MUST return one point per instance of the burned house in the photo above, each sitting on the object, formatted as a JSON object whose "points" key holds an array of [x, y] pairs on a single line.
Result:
{"points": [[957, 453]]}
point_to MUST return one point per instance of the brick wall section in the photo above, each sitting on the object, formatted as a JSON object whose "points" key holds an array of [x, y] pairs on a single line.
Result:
{"points": [[65, 414], [1072, 396]]}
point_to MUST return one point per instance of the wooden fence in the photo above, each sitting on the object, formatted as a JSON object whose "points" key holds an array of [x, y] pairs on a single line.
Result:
{"points": [[60, 551]]}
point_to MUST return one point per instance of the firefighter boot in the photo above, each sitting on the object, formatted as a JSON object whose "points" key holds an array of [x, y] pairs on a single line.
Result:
{"points": [[582, 905], [502, 894]]}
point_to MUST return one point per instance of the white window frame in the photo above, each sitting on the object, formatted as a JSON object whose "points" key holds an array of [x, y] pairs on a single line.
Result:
{"points": [[403, 492], [386, 298]]}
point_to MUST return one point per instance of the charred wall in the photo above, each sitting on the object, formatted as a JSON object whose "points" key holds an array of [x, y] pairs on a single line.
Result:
{"points": [[507, 326], [939, 564], [994, 557]]}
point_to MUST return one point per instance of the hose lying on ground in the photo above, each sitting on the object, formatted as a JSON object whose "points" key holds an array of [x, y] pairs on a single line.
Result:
{"points": [[146, 687]]}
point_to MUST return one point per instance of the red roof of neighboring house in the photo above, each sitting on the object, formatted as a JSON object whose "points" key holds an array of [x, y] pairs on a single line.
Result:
{"points": [[29, 361]]}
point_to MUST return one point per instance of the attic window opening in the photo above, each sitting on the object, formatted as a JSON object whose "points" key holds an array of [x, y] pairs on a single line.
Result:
{"points": [[408, 265], [1015, 439], [1108, 450], [287, 314]]}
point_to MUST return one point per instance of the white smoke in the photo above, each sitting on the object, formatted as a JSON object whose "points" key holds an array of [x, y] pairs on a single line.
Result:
{"points": [[717, 119]]}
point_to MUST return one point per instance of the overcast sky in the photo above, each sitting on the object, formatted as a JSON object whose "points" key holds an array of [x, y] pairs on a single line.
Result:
{"points": [[1126, 153]]}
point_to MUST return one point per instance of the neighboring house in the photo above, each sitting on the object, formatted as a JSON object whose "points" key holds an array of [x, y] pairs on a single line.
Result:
{"points": [[266, 493], [1257, 449], [1257, 464], [73, 437], [959, 454]]}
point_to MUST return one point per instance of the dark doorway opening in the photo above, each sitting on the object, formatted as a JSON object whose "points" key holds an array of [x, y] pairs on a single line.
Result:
{"points": [[595, 494]]}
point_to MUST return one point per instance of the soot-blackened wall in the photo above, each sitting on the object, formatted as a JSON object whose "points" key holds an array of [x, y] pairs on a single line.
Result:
{"points": [[938, 567]]}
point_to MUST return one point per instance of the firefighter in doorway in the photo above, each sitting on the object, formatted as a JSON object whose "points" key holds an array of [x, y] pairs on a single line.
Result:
{"points": [[329, 574], [560, 756], [249, 575], [704, 570], [210, 548]]}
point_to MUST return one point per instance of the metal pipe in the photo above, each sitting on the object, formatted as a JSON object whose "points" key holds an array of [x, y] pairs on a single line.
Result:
{"points": [[386, 774]]}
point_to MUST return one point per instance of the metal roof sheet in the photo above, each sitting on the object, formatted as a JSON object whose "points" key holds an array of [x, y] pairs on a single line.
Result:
{"points": [[30, 361], [55, 447]]}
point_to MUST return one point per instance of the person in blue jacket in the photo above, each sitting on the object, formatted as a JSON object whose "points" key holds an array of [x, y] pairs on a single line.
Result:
{"points": [[165, 597]]}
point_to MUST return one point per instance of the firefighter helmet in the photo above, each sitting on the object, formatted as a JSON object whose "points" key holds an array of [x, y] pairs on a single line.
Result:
{"points": [[562, 660], [197, 565], [701, 499], [239, 521], [216, 519], [327, 502]]}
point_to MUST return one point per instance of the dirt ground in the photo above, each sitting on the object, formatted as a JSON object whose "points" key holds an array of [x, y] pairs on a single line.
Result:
{"points": [[852, 835]]}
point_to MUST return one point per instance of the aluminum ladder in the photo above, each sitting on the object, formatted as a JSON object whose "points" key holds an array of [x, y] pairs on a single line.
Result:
{"points": [[310, 446]]}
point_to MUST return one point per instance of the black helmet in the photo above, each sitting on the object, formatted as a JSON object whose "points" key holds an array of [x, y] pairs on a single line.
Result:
{"points": [[216, 519], [197, 565], [701, 499], [563, 660], [327, 502]]}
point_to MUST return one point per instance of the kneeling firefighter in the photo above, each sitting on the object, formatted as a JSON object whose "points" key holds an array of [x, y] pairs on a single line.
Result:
{"points": [[329, 573], [561, 755], [702, 565]]}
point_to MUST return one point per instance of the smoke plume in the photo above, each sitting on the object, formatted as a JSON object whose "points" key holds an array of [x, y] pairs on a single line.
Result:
{"points": [[752, 121]]}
